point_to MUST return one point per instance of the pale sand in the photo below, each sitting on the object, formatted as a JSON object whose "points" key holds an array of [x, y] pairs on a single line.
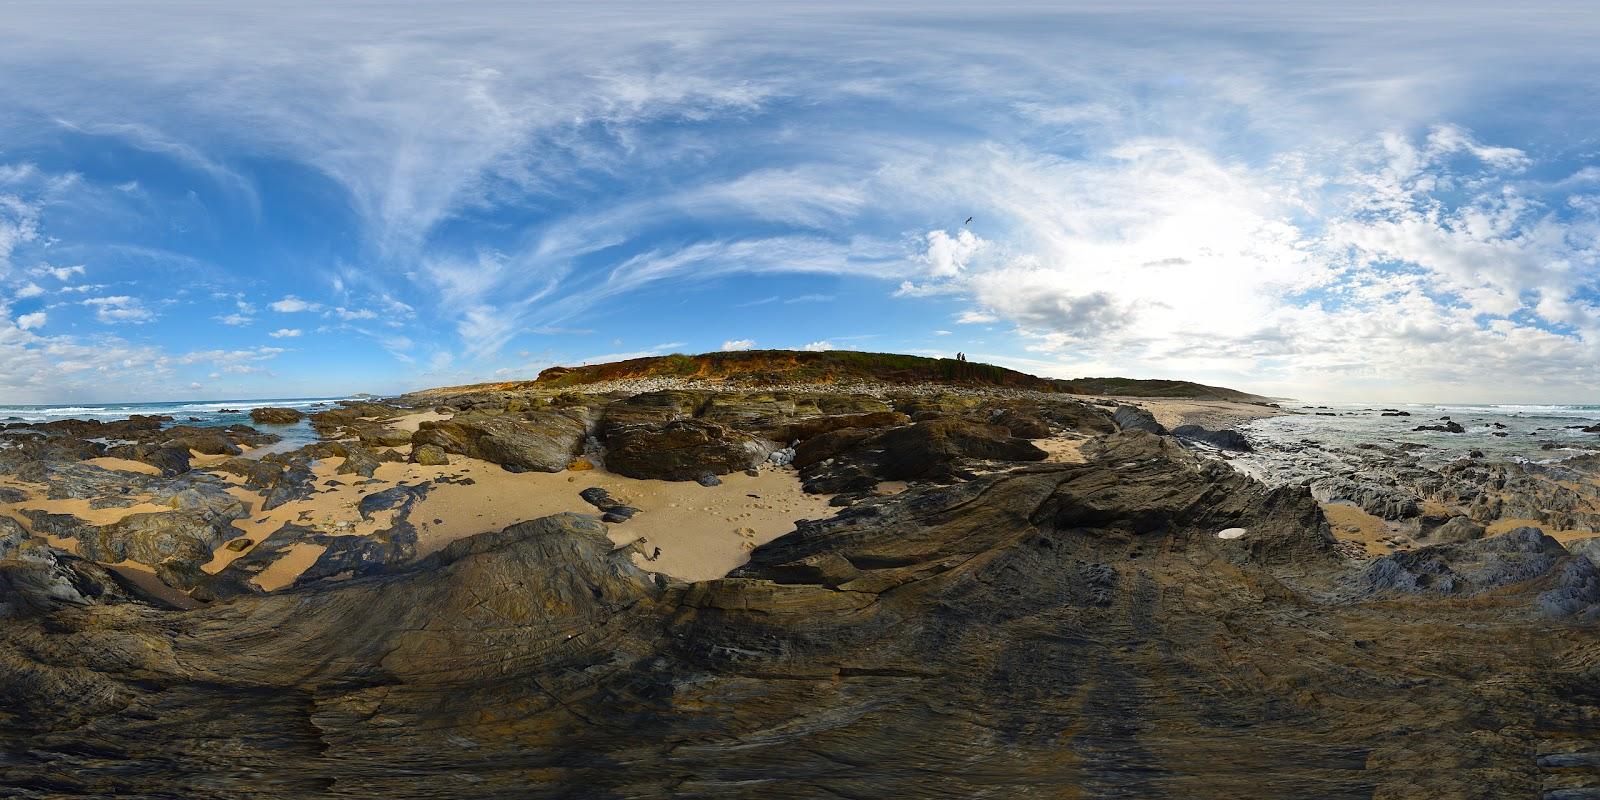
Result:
{"points": [[1065, 449], [411, 422], [281, 573], [703, 532], [1351, 524]]}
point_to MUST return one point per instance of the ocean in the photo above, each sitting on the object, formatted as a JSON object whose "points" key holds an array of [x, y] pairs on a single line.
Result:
{"points": [[206, 413], [1536, 433]]}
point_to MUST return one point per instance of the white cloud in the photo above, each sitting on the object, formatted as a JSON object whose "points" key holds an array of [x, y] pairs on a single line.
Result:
{"points": [[120, 309], [975, 318], [285, 333], [819, 346], [31, 321], [354, 314], [235, 319], [61, 273], [291, 305], [738, 344], [30, 289], [948, 255]]}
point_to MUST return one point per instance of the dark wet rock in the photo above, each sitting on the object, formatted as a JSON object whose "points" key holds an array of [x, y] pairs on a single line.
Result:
{"points": [[708, 479], [10, 495], [682, 450], [358, 460], [170, 459], [293, 482], [275, 416], [429, 455], [79, 481], [1448, 427], [618, 514], [239, 545], [1225, 439], [600, 498], [395, 497], [1133, 418], [615, 511], [541, 441], [1393, 413]]}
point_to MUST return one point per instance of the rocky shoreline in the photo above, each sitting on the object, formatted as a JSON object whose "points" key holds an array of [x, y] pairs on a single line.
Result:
{"points": [[661, 587]]}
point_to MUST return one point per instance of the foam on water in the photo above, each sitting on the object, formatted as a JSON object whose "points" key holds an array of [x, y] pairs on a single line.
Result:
{"points": [[1541, 433], [204, 413]]}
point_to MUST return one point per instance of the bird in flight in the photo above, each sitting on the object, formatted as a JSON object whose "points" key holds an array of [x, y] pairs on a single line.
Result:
{"points": [[968, 222]]}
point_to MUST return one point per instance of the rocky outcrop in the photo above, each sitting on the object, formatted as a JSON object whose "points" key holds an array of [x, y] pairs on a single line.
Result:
{"points": [[1057, 628], [1448, 427], [1387, 502], [429, 455], [275, 416], [682, 450], [1475, 567], [1133, 418], [541, 441], [1456, 529], [855, 460], [1225, 439]]}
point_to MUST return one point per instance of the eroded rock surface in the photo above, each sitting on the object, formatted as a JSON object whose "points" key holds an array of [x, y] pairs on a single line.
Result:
{"points": [[1046, 630]]}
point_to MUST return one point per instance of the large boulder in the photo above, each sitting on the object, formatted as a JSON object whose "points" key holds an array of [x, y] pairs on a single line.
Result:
{"points": [[539, 441], [429, 455], [926, 449], [1133, 418], [649, 408], [1225, 439], [187, 537], [853, 460], [275, 416], [1457, 529], [1022, 425], [683, 450]]}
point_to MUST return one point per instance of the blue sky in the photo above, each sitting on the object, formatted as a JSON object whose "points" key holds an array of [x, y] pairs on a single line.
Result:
{"points": [[1347, 202]]}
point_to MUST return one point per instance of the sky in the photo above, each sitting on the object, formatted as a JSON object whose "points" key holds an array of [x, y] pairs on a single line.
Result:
{"points": [[1340, 201]]}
